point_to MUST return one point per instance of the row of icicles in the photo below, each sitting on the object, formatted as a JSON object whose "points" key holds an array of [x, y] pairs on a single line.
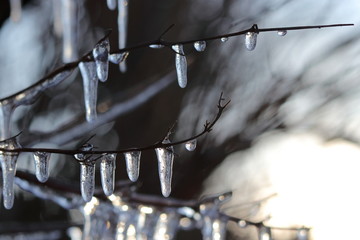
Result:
{"points": [[165, 157]]}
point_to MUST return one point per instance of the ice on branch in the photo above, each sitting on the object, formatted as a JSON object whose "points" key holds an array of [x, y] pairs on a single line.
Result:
{"points": [[250, 40], [281, 33], [41, 162], [156, 46], [117, 58], [15, 10], [69, 11], [111, 4], [200, 46], [107, 172], [191, 145], [8, 166], [122, 27], [181, 65], [133, 164], [101, 56], [165, 157], [90, 85]]}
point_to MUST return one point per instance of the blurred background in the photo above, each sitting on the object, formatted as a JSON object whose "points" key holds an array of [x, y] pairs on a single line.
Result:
{"points": [[290, 131]]}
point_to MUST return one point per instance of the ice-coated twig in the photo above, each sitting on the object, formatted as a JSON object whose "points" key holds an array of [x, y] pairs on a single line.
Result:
{"points": [[69, 10]]}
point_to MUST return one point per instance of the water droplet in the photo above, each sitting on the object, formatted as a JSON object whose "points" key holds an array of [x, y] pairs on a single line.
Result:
{"points": [[281, 32], [117, 58], [181, 65], [242, 223], [111, 4], [41, 161], [107, 172], [165, 158], [87, 180], [250, 40], [8, 165], [200, 46], [133, 164], [224, 39], [191, 145], [156, 46], [264, 233], [90, 85], [302, 234], [101, 57]]}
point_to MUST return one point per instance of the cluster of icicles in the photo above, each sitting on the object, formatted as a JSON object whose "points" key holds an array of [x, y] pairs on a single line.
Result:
{"points": [[164, 155]]}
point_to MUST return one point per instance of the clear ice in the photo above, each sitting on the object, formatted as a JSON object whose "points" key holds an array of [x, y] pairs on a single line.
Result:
{"points": [[224, 39], [165, 158], [111, 4], [8, 165], [122, 27], [87, 180], [90, 85], [250, 40], [200, 46], [41, 161], [180, 64], [191, 145], [117, 58], [107, 172], [133, 164], [281, 32], [156, 46], [69, 12], [101, 57]]}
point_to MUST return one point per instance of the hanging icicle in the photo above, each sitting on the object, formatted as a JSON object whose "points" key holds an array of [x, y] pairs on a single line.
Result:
{"points": [[101, 56], [15, 10], [41, 162], [181, 65], [191, 145], [122, 27], [6, 109], [107, 172], [165, 158], [90, 85], [250, 40], [111, 4], [69, 10], [8, 165], [133, 164]]}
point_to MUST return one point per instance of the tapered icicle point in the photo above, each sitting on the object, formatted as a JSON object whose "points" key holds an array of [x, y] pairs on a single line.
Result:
{"points": [[15, 10], [191, 145], [165, 158], [8, 165], [122, 27], [41, 161], [87, 180], [107, 172], [69, 13], [200, 46], [133, 164], [264, 233], [90, 85], [111, 4], [181, 65], [101, 56], [250, 40]]}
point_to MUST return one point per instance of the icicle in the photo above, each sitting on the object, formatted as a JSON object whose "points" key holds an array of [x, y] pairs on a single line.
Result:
{"points": [[250, 40], [111, 4], [6, 109], [8, 165], [181, 65], [302, 234], [281, 32], [41, 161], [264, 233], [107, 171], [200, 46], [224, 39], [101, 56], [90, 85], [165, 158], [122, 27], [15, 10], [87, 180], [191, 145], [133, 164], [117, 58], [69, 10], [156, 46]]}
